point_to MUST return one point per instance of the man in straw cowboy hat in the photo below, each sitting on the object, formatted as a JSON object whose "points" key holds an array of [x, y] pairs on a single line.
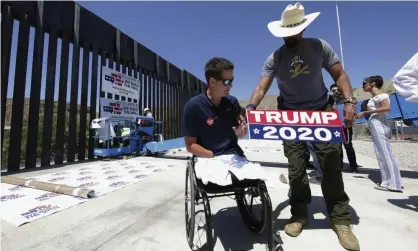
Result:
{"points": [[297, 66]]}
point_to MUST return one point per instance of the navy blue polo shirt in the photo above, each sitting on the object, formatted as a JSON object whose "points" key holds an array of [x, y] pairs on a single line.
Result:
{"points": [[211, 124]]}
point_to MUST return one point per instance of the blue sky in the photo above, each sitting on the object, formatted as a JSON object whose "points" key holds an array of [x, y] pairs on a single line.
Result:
{"points": [[378, 37]]}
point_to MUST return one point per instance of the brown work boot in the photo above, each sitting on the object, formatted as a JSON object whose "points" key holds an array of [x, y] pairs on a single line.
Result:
{"points": [[346, 237], [294, 227]]}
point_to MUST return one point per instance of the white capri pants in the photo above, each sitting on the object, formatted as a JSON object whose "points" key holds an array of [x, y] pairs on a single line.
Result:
{"points": [[389, 168]]}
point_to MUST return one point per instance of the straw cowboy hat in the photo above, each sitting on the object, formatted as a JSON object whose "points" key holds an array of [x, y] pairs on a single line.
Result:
{"points": [[293, 21]]}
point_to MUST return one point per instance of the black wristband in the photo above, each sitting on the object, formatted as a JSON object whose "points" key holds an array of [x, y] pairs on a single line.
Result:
{"points": [[251, 107]]}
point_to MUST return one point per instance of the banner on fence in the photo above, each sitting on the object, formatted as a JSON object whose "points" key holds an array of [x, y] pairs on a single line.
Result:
{"points": [[110, 107], [119, 84], [308, 126]]}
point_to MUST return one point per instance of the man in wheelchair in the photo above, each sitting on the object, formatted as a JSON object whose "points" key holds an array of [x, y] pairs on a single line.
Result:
{"points": [[213, 121]]}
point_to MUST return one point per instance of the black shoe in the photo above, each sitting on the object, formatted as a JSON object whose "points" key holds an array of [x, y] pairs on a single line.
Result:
{"points": [[355, 169]]}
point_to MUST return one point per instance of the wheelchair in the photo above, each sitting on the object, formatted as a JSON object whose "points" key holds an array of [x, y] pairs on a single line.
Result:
{"points": [[197, 193]]}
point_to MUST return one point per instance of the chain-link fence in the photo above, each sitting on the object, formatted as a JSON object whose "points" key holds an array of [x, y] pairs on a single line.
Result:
{"points": [[399, 131]]}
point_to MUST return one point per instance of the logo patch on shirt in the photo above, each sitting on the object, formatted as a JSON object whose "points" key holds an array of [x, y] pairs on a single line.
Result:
{"points": [[298, 67], [210, 121]]}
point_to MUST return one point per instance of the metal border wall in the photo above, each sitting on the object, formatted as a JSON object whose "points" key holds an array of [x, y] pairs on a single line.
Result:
{"points": [[94, 43]]}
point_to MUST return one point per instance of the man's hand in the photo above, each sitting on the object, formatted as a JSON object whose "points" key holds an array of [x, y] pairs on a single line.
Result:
{"points": [[194, 148], [241, 129], [361, 115], [349, 114]]}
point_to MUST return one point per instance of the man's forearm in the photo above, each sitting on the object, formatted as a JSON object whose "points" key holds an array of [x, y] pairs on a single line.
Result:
{"points": [[261, 90], [199, 151], [343, 84], [257, 96]]}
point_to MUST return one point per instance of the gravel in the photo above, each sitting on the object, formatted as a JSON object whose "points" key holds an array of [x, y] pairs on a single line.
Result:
{"points": [[406, 153]]}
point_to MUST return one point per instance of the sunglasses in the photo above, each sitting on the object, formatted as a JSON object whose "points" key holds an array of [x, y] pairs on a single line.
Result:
{"points": [[227, 82], [365, 83]]}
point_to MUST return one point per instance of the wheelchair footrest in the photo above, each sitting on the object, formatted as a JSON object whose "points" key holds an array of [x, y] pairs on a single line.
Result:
{"points": [[278, 248], [276, 237], [278, 242]]}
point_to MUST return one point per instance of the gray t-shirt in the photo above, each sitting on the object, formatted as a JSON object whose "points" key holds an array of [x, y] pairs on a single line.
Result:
{"points": [[300, 78]]}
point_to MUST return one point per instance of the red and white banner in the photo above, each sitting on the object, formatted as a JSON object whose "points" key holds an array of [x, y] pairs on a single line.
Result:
{"points": [[312, 126], [119, 84], [112, 108]]}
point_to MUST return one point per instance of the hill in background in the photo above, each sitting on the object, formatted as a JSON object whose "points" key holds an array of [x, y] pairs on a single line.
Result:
{"points": [[9, 104], [270, 102]]}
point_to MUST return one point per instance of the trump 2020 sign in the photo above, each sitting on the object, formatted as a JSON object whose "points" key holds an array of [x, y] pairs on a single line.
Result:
{"points": [[313, 126]]}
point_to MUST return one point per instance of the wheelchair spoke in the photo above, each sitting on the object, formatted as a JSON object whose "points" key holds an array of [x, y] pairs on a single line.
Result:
{"points": [[200, 231], [199, 234], [249, 204], [197, 209]]}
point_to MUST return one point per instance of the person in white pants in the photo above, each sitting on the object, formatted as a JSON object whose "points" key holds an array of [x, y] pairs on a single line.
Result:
{"points": [[406, 80], [378, 107], [316, 175]]}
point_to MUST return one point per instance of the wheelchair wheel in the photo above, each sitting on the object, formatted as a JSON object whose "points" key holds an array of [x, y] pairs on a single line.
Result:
{"points": [[192, 199], [190, 196], [253, 216], [208, 218], [265, 221]]}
